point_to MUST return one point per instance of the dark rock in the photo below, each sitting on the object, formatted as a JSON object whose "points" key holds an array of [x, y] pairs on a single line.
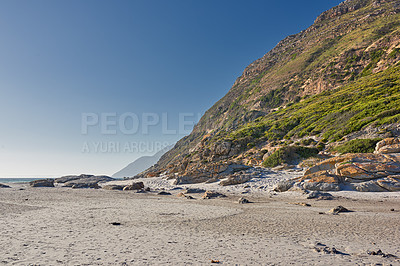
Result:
{"points": [[319, 195], [42, 183], [113, 187], [321, 248], [284, 186], [82, 181], [194, 190], [176, 188], [85, 185], [164, 193], [134, 186], [243, 200], [4, 186], [380, 253], [212, 194], [338, 209], [69, 178], [115, 223]]}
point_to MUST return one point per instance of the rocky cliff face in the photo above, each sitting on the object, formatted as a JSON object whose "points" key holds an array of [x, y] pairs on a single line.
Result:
{"points": [[348, 44]]}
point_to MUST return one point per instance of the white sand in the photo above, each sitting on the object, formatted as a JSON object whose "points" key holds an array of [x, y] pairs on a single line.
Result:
{"points": [[56, 226]]}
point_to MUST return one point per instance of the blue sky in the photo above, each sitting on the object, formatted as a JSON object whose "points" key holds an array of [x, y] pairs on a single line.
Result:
{"points": [[62, 59]]}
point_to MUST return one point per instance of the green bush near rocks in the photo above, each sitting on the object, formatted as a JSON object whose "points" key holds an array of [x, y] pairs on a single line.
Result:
{"points": [[289, 154], [358, 146]]}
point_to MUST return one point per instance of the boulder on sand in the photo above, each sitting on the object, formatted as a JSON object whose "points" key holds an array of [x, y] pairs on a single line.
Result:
{"points": [[212, 194], [113, 187], [4, 186], [134, 186], [235, 179], [85, 185], [42, 183]]}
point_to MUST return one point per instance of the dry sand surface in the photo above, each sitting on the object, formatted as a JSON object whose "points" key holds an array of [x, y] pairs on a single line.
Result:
{"points": [[63, 226]]}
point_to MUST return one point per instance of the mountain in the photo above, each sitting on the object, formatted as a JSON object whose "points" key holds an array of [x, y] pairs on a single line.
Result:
{"points": [[333, 82], [140, 164]]}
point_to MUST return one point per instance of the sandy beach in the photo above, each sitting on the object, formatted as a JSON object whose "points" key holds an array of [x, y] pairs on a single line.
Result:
{"points": [[63, 226]]}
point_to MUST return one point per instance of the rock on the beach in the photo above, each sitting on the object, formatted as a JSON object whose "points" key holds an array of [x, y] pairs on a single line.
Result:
{"points": [[4, 186], [42, 183], [113, 187], [243, 200], [283, 186], [319, 195], [85, 185], [338, 209], [134, 186], [235, 179], [194, 190], [212, 194], [82, 181], [183, 195], [83, 178], [164, 193], [327, 250]]}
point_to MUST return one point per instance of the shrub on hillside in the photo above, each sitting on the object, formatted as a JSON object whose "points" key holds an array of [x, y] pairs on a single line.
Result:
{"points": [[357, 146], [289, 154]]}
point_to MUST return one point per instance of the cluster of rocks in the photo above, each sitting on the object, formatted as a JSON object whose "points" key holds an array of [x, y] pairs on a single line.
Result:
{"points": [[82, 181], [367, 172], [133, 186]]}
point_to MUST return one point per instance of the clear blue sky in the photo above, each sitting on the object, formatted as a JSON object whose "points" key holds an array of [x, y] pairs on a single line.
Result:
{"points": [[62, 59]]}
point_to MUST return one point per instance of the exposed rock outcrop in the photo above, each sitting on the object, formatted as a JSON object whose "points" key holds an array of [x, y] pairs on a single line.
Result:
{"points": [[199, 174], [364, 172]]}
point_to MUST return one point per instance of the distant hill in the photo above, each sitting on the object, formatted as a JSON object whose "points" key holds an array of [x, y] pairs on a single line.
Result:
{"points": [[140, 164]]}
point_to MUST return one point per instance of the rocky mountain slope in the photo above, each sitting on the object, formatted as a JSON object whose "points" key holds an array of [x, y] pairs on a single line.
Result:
{"points": [[336, 81]]}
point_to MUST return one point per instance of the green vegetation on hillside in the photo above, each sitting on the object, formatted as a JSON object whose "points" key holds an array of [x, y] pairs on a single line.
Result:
{"points": [[357, 146], [372, 100], [289, 154]]}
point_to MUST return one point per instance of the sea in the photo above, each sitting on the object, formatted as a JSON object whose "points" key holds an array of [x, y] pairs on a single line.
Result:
{"points": [[20, 179]]}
